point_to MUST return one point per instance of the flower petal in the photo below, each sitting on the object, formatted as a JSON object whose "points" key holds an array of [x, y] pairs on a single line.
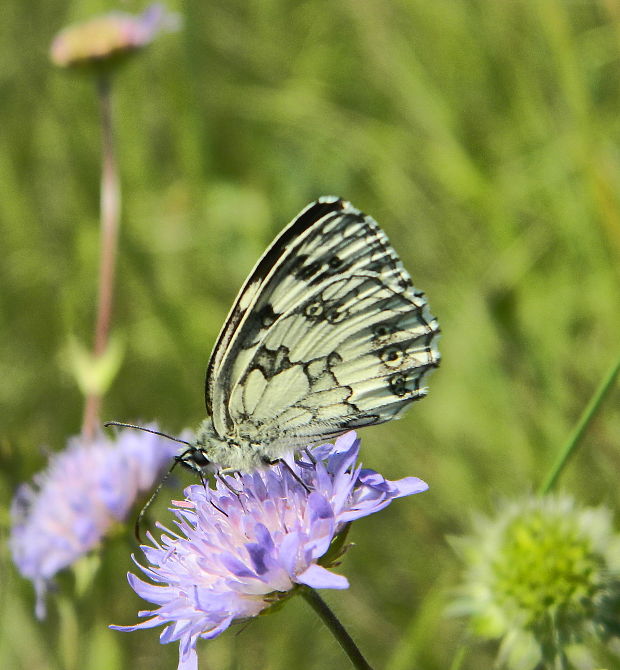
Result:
{"points": [[319, 578]]}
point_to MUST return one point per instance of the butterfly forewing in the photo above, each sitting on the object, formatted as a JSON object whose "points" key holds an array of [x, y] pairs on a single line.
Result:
{"points": [[328, 334], [244, 305]]}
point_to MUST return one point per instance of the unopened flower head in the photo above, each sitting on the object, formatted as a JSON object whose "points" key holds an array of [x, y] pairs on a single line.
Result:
{"points": [[238, 552], [106, 38], [72, 504], [543, 577]]}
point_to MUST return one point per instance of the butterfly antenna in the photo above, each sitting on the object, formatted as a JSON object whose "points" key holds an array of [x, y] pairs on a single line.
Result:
{"points": [[136, 528], [146, 430]]}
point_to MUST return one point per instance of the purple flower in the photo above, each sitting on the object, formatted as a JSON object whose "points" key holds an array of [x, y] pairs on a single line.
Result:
{"points": [[237, 553], [73, 503], [105, 37]]}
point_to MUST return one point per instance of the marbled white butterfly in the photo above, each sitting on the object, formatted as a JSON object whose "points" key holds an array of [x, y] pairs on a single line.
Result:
{"points": [[326, 335]]}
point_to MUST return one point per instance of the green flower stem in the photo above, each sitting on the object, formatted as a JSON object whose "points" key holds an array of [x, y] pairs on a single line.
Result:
{"points": [[337, 629], [584, 421], [459, 657], [110, 218], [67, 648]]}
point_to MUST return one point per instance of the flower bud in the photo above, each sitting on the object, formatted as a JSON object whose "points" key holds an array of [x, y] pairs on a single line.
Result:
{"points": [[104, 40], [543, 577]]}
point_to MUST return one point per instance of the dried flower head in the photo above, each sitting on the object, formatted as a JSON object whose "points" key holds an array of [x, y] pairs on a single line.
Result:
{"points": [[238, 552], [105, 39], [72, 504], [543, 577]]}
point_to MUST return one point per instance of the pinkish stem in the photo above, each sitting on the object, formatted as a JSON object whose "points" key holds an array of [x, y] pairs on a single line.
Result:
{"points": [[110, 218]]}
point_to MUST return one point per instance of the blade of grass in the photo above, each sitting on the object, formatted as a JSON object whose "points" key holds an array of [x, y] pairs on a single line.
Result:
{"points": [[585, 419]]}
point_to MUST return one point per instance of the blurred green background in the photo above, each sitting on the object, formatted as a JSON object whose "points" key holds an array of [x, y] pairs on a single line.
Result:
{"points": [[482, 135]]}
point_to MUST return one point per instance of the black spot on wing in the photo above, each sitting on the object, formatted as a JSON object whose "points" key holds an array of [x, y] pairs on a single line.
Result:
{"points": [[306, 272], [392, 356], [383, 331], [258, 322], [398, 385], [267, 315], [336, 314], [271, 361], [314, 310]]}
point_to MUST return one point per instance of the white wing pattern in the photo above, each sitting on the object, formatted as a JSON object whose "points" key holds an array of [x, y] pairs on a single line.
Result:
{"points": [[327, 334]]}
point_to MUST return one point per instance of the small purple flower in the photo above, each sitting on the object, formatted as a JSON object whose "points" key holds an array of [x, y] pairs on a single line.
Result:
{"points": [[84, 490], [238, 553], [103, 38]]}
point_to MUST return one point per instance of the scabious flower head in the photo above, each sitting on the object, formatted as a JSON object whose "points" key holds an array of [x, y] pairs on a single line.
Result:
{"points": [[237, 553], [543, 576], [106, 38], [74, 502]]}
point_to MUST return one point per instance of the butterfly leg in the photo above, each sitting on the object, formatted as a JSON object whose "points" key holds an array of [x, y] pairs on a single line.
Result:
{"points": [[228, 471], [310, 456], [219, 509], [281, 461], [220, 476]]}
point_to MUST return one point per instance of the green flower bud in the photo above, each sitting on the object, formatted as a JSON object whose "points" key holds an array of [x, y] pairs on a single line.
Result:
{"points": [[543, 577]]}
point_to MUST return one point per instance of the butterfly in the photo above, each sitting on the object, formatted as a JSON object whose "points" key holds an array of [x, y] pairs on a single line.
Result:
{"points": [[327, 334]]}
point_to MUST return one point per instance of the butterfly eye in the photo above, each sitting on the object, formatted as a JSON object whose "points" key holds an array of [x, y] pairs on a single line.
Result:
{"points": [[198, 459]]}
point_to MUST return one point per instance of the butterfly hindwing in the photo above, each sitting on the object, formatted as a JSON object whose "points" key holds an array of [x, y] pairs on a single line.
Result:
{"points": [[309, 380], [327, 334]]}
